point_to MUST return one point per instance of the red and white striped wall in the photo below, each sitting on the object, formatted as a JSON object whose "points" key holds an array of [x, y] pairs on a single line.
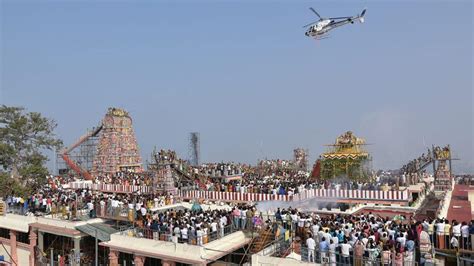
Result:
{"points": [[332, 194], [233, 196], [354, 194], [111, 187]]}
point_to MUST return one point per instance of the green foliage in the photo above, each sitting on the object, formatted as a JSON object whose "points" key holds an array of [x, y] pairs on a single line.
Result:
{"points": [[9, 186], [23, 136]]}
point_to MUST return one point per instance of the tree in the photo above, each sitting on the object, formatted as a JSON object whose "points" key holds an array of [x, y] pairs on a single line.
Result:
{"points": [[24, 136]]}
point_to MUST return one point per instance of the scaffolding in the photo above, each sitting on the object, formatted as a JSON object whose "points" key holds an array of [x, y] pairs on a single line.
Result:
{"points": [[83, 155]]}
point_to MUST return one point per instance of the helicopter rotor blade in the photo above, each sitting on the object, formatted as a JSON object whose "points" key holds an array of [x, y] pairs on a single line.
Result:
{"points": [[340, 18], [314, 11], [307, 25]]}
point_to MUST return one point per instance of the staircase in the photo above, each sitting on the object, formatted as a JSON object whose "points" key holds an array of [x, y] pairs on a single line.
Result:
{"points": [[423, 166], [259, 240], [202, 180], [428, 208], [264, 237]]}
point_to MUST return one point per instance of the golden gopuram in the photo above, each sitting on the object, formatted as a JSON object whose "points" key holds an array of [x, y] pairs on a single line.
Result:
{"points": [[346, 158]]}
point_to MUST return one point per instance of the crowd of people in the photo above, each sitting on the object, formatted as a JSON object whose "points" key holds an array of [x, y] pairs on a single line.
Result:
{"points": [[45, 201], [414, 166], [167, 155], [268, 177], [351, 239], [346, 239], [71, 204], [127, 178], [277, 167], [219, 169], [195, 226]]}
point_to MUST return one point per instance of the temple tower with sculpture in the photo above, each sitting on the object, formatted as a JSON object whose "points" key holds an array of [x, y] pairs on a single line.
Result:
{"points": [[117, 148]]}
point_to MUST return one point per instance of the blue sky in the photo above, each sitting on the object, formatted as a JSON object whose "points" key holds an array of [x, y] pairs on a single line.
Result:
{"points": [[243, 74]]}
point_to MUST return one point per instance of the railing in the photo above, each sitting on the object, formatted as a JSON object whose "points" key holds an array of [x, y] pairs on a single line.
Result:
{"points": [[354, 194], [330, 194], [115, 213], [277, 247], [64, 212], [233, 196], [371, 257], [191, 239], [460, 257], [112, 187]]}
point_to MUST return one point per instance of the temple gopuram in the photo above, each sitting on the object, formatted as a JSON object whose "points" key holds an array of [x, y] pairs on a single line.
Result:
{"points": [[346, 158], [117, 149], [442, 163]]}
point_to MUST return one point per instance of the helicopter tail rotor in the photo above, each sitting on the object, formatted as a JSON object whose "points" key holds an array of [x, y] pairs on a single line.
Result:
{"points": [[361, 16]]}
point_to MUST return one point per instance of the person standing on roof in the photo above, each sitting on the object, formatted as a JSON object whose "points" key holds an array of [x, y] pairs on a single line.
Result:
{"points": [[311, 244]]}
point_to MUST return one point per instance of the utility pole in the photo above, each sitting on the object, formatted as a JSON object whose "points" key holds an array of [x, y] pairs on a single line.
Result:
{"points": [[96, 249], [52, 257]]}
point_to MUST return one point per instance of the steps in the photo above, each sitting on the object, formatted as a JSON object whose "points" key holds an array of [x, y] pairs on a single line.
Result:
{"points": [[3, 208], [428, 209], [264, 237]]}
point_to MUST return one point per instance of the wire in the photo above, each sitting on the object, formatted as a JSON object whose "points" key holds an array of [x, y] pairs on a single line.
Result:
{"points": [[11, 259]]}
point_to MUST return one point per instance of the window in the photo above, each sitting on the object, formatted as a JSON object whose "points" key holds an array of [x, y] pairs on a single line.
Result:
{"points": [[23, 237], [5, 233]]}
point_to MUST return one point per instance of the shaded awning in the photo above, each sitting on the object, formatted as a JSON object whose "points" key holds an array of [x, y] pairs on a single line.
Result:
{"points": [[103, 231]]}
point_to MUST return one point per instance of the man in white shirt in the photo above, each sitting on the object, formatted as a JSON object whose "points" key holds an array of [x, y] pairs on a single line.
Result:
{"points": [[156, 202], [102, 207], [327, 235], [115, 205], [214, 229], [184, 234], [315, 230], [440, 233], [345, 249], [44, 203], [143, 211], [90, 208], [294, 221], [456, 230], [465, 235], [222, 224], [177, 231], [199, 234], [402, 240], [332, 253], [301, 222], [243, 219], [311, 244], [321, 234]]}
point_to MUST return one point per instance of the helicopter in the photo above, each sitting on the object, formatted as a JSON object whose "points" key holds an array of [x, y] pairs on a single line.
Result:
{"points": [[319, 29]]}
